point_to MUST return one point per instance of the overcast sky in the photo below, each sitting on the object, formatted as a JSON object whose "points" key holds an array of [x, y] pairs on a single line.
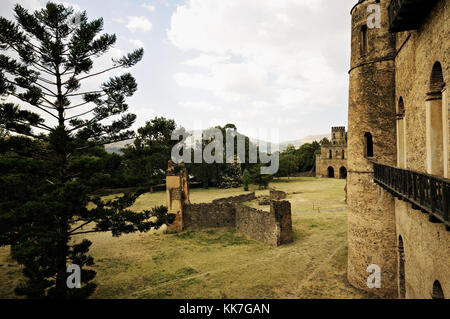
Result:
{"points": [[256, 63]]}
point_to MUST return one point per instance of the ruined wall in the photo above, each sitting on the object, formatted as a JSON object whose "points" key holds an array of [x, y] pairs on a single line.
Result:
{"points": [[236, 199], [209, 215], [273, 228], [177, 194], [426, 245], [277, 195], [371, 219]]}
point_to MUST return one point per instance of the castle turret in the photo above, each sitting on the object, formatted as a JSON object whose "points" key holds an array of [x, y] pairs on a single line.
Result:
{"points": [[371, 138], [338, 135]]}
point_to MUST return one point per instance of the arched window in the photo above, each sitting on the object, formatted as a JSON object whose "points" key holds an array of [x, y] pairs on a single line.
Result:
{"points": [[363, 40], [401, 143], [330, 154], [438, 293], [434, 122], [401, 269], [330, 172], [368, 145], [337, 154], [343, 154]]}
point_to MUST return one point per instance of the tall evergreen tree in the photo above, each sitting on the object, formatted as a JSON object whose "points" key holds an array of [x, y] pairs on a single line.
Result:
{"points": [[48, 56], [147, 157]]}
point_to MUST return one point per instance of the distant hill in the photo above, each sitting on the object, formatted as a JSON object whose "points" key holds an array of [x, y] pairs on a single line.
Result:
{"points": [[115, 147], [308, 139]]}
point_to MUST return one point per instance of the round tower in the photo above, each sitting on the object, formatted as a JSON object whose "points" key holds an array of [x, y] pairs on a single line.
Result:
{"points": [[371, 138]]}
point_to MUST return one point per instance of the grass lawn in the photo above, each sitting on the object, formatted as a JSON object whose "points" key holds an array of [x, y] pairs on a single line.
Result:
{"points": [[221, 263]]}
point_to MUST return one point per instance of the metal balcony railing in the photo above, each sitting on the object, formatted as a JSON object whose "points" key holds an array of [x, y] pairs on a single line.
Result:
{"points": [[428, 193]]}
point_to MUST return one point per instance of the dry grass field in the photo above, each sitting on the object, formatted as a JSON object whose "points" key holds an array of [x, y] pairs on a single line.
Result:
{"points": [[221, 263]]}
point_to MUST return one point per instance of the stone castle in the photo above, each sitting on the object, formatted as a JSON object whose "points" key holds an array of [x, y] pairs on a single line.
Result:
{"points": [[399, 148], [332, 162]]}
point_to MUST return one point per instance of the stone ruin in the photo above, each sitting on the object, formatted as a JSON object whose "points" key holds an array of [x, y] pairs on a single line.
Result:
{"points": [[277, 195], [272, 227]]}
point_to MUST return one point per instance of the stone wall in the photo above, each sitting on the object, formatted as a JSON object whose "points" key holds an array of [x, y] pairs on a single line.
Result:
{"points": [[209, 215], [333, 155], [412, 251], [426, 245], [273, 228], [236, 199], [371, 110], [277, 195], [426, 252], [322, 165], [177, 194]]}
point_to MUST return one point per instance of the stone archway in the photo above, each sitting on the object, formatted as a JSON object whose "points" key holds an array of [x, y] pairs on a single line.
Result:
{"points": [[343, 172], [330, 172], [438, 293], [434, 122]]}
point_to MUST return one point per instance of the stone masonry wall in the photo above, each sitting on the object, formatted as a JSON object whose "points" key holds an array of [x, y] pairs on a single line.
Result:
{"points": [[273, 228], [277, 195], [371, 216], [209, 215], [236, 199], [426, 245]]}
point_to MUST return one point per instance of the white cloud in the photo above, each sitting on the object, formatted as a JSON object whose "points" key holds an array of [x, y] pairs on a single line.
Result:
{"points": [[148, 6], [201, 106], [140, 23], [263, 54], [206, 61], [137, 43]]}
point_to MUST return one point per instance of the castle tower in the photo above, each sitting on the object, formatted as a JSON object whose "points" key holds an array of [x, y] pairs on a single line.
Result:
{"points": [[371, 138], [338, 135]]}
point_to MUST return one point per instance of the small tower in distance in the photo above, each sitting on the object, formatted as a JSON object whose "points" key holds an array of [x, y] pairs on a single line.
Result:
{"points": [[338, 135], [371, 138]]}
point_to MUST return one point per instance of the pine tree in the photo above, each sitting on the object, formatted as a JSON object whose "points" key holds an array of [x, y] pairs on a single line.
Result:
{"points": [[262, 180], [47, 57], [246, 179]]}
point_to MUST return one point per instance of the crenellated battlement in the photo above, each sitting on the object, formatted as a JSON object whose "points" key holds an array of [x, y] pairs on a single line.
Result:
{"points": [[338, 129]]}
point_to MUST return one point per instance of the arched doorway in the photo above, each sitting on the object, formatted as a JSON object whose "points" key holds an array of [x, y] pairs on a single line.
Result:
{"points": [[368, 145], [343, 172], [401, 269], [438, 293], [434, 122], [330, 172]]}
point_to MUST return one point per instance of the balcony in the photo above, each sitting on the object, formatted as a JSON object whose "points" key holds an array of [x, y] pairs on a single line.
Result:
{"points": [[407, 15], [427, 193]]}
